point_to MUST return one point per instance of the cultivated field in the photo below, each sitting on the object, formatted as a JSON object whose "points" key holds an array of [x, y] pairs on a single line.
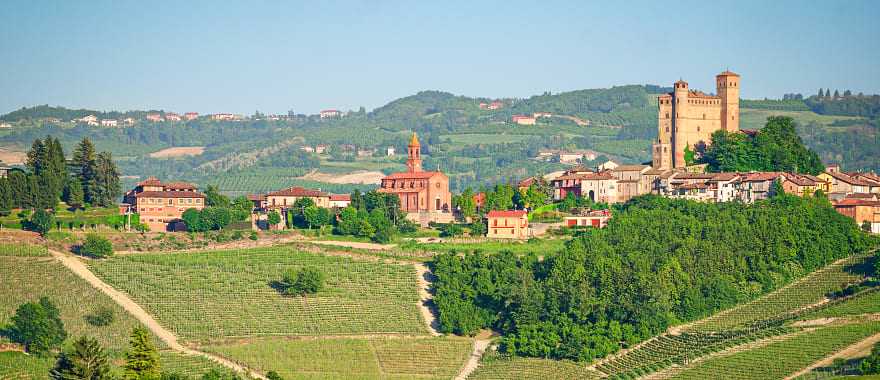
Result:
{"points": [[229, 294], [496, 367], [178, 151], [357, 177], [12, 157], [352, 358]]}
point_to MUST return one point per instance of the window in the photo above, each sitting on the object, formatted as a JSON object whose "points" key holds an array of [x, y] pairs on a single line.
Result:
{"points": [[170, 201]]}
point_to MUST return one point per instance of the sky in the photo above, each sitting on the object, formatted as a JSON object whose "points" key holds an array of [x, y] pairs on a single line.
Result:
{"points": [[275, 56]]}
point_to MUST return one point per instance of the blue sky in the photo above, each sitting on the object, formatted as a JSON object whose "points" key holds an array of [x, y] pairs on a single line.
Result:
{"points": [[272, 56]]}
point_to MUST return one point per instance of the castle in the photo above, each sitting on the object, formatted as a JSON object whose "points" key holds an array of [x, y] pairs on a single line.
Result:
{"points": [[687, 118]]}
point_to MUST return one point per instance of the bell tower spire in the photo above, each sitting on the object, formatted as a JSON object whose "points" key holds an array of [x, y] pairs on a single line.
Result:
{"points": [[414, 152]]}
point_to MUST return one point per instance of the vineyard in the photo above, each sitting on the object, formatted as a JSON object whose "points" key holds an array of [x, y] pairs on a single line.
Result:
{"points": [[498, 367], [19, 366], [862, 303], [230, 294], [352, 358], [22, 250]]}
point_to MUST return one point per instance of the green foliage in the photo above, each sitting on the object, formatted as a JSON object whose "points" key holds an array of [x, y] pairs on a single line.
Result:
{"points": [[86, 360], [101, 317], [216, 374], [465, 203], [775, 105], [37, 326], [451, 230], [141, 359], [273, 217], [207, 219], [871, 364], [637, 289], [96, 246], [41, 222], [214, 198], [776, 147], [272, 375], [858, 105], [307, 280], [478, 227]]}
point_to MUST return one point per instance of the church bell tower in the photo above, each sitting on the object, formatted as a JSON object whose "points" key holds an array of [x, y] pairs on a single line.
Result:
{"points": [[414, 152]]}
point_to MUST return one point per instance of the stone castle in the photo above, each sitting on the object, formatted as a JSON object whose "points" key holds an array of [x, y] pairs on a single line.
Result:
{"points": [[687, 118]]}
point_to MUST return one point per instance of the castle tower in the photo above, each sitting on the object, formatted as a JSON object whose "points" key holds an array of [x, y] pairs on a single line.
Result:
{"points": [[661, 150], [679, 123], [728, 89], [414, 152]]}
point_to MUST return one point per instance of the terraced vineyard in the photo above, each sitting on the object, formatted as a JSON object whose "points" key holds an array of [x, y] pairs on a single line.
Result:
{"points": [[803, 293], [22, 250], [497, 367], [780, 359], [18, 366], [229, 293], [352, 358], [862, 303], [189, 365]]}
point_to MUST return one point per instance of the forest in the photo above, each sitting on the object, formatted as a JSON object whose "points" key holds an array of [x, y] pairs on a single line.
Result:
{"points": [[660, 262]]}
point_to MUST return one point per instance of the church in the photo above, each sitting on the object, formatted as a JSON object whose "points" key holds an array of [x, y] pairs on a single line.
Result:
{"points": [[424, 195], [687, 118]]}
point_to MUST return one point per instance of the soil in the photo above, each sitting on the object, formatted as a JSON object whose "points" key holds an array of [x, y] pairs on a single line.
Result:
{"points": [[178, 151], [357, 177]]}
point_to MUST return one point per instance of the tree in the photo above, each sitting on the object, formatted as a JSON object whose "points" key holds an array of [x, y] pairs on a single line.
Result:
{"points": [[871, 364], [193, 220], [73, 194], [6, 200], [272, 375], [85, 168], [777, 189], [315, 216], [866, 226], [215, 218], [42, 222], [86, 360], [214, 198], [274, 218], [96, 246], [478, 227], [465, 203], [307, 280], [141, 359], [384, 233], [37, 326], [216, 374], [241, 208], [107, 184]]}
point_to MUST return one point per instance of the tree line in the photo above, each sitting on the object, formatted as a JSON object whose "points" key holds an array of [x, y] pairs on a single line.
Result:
{"points": [[87, 179], [660, 262]]}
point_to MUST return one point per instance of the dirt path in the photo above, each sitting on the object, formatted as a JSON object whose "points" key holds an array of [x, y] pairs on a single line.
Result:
{"points": [[480, 346], [426, 302], [860, 348], [355, 244], [81, 270]]}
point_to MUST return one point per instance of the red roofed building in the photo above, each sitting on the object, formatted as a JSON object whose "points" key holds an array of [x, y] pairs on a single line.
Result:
{"points": [[171, 116], [424, 196], [523, 119], [283, 199], [596, 218], [340, 200], [161, 205], [862, 211], [508, 225], [329, 113], [190, 116]]}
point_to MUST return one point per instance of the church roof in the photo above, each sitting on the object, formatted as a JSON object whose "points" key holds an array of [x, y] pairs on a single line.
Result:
{"points": [[414, 141], [412, 175]]}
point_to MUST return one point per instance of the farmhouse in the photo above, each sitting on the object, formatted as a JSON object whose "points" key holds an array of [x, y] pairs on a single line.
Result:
{"points": [[593, 218], [862, 211], [190, 116], [154, 117], [523, 119], [424, 195], [508, 224], [340, 200], [109, 123], [282, 199], [171, 116], [161, 205]]}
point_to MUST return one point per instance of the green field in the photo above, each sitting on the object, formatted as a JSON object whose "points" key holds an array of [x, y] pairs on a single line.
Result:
{"points": [[352, 358], [19, 366], [496, 367], [229, 294], [756, 118], [484, 138], [867, 302], [780, 359]]}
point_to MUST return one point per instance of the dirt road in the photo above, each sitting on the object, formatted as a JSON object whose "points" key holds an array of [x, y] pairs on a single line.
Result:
{"points": [[423, 275], [81, 270], [860, 348], [480, 346]]}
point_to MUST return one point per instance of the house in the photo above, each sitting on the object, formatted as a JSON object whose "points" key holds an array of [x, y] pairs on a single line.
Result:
{"points": [[89, 120], [871, 178], [4, 171], [526, 183], [629, 181], [607, 165], [321, 148], [508, 224], [160, 205], [223, 117], [340, 200], [861, 211], [128, 121], [799, 184], [594, 218], [724, 186], [258, 200], [389, 151], [600, 187], [366, 152], [329, 114], [757, 186], [495, 105], [154, 117], [285, 198], [484, 105], [190, 116], [843, 183], [109, 123], [568, 183], [171, 116], [541, 114], [5, 125], [424, 195], [306, 148], [523, 120]]}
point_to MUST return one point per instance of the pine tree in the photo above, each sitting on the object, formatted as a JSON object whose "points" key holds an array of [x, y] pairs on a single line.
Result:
{"points": [[84, 166], [37, 157], [821, 94], [142, 359], [73, 194], [107, 186], [6, 201], [836, 94], [87, 360]]}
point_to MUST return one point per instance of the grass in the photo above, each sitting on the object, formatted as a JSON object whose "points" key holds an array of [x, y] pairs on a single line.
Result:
{"points": [[229, 294], [22, 250], [191, 365], [20, 366], [779, 359], [484, 138], [26, 279], [352, 358], [497, 367]]}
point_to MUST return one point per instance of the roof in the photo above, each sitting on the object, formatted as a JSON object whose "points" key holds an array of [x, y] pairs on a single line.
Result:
{"points": [[862, 196], [694, 176], [256, 197], [626, 168], [856, 202], [297, 191], [169, 194], [414, 141], [412, 175], [654, 172], [728, 73], [150, 181], [761, 176], [718, 177], [506, 214], [340, 197], [697, 185], [799, 180], [850, 180], [180, 185], [527, 182]]}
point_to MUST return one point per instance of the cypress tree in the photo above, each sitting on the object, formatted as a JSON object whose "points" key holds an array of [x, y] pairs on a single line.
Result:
{"points": [[73, 194], [106, 182], [142, 359], [84, 167]]}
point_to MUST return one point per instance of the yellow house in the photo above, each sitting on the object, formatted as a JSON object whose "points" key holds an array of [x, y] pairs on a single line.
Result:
{"points": [[508, 225]]}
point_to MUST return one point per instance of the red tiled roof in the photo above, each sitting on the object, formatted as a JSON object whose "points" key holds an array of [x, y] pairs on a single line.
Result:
{"points": [[169, 194], [799, 180], [728, 73], [724, 177], [506, 214], [856, 202], [297, 191], [180, 185], [527, 182], [625, 168], [694, 176], [256, 197], [850, 180], [340, 197], [150, 181], [761, 176], [862, 196], [414, 175]]}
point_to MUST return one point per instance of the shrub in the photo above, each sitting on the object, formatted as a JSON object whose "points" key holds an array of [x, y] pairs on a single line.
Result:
{"points": [[272, 375], [308, 280], [41, 222], [96, 246], [37, 326], [273, 217], [253, 235], [86, 360], [101, 317]]}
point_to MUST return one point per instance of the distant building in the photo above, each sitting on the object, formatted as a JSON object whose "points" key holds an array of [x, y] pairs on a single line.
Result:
{"points": [[4, 171], [109, 123], [161, 205], [541, 114], [190, 116], [523, 119], [389, 151], [596, 219], [325, 114], [222, 117], [424, 195], [171, 116], [155, 117], [340, 200], [508, 225], [861, 211], [608, 165], [306, 148], [321, 148], [283, 199], [495, 105], [128, 121], [5, 125], [366, 152]]}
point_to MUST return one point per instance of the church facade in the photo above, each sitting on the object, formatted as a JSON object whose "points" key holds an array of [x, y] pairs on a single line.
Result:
{"points": [[687, 118], [424, 195]]}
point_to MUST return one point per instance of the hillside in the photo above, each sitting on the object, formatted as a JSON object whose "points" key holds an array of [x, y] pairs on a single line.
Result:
{"points": [[474, 146]]}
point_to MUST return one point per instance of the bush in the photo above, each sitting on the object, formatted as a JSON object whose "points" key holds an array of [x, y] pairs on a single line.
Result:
{"points": [[96, 246], [101, 317], [308, 280], [41, 222], [272, 375], [37, 326], [253, 235]]}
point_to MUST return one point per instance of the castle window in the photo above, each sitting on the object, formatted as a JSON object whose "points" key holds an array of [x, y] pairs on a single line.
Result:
{"points": [[698, 128], [667, 129], [704, 116], [667, 115]]}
